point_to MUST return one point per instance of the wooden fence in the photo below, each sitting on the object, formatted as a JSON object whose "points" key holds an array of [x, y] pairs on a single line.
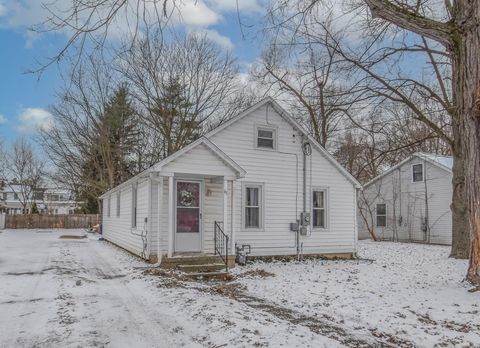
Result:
{"points": [[51, 221]]}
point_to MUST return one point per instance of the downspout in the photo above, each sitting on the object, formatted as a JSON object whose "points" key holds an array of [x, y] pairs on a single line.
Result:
{"points": [[159, 181]]}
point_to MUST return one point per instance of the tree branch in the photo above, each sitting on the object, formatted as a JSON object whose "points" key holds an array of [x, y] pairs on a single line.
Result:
{"points": [[409, 20]]}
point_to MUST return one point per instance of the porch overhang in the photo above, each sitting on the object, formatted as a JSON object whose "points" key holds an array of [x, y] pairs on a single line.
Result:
{"points": [[200, 158]]}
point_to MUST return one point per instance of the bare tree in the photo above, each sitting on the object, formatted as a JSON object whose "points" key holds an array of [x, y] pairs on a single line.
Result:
{"points": [[95, 132], [307, 77], [442, 39], [23, 173], [184, 86], [461, 37]]}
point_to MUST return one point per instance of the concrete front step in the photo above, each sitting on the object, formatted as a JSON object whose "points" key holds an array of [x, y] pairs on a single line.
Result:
{"points": [[173, 262], [201, 268], [209, 276]]}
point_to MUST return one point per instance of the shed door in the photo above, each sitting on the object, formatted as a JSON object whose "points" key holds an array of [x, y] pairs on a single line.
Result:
{"points": [[188, 222]]}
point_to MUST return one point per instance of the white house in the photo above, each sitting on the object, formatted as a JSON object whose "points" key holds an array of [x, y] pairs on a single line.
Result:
{"points": [[249, 179], [52, 201], [409, 202]]}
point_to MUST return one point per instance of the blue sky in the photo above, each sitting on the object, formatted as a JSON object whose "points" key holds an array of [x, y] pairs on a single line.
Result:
{"points": [[25, 97]]}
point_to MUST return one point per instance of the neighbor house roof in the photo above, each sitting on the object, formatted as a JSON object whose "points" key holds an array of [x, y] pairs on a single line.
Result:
{"points": [[443, 162]]}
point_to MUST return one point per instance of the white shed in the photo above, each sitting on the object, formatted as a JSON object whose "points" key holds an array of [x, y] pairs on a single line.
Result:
{"points": [[409, 202], [241, 184]]}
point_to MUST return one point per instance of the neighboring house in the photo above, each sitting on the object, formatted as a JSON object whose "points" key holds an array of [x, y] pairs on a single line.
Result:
{"points": [[50, 201], [409, 202], [244, 179]]}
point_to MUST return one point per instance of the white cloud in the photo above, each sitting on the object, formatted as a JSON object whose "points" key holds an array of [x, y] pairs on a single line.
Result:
{"points": [[3, 10], [234, 5], [32, 119], [216, 37], [3, 119], [197, 13]]}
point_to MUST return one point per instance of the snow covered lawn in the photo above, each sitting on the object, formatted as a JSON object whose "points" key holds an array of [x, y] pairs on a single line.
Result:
{"points": [[410, 291], [83, 292], [87, 293]]}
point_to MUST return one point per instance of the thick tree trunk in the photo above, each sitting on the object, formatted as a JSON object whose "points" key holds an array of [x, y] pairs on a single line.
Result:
{"points": [[466, 88], [462, 36], [460, 223]]}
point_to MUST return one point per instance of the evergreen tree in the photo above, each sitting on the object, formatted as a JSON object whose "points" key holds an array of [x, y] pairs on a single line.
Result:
{"points": [[109, 159], [174, 117]]}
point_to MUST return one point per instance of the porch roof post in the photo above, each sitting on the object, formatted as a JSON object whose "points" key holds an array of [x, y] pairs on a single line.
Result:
{"points": [[225, 204], [232, 216], [171, 202]]}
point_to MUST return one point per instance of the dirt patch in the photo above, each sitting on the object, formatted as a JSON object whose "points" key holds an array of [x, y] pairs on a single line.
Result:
{"points": [[254, 273], [230, 290], [68, 236]]}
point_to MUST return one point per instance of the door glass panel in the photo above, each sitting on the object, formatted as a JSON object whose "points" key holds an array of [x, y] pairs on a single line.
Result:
{"points": [[188, 207], [188, 194], [187, 220]]}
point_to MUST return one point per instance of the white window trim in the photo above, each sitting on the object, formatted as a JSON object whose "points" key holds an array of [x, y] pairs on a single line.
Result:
{"points": [[118, 202], [134, 206], [326, 196], [108, 206], [423, 172], [386, 215], [271, 128], [261, 186]]}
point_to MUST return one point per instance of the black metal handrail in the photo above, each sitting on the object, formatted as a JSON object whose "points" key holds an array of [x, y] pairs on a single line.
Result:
{"points": [[221, 243]]}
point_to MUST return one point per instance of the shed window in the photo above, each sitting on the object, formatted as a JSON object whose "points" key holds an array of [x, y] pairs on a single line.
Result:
{"points": [[319, 209], [266, 138], [417, 172], [253, 206], [118, 204], [108, 206], [134, 205], [381, 215]]}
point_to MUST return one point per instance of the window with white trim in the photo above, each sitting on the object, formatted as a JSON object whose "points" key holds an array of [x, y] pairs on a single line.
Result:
{"points": [[108, 206], [417, 172], [319, 208], [134, 205], [118, 204], [266, 138], [381, 215], [253, 206]]}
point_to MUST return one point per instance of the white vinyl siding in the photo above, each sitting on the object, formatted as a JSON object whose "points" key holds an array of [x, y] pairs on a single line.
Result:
{"points": [[119, 230], [278, 174], [405, 204], [281, 174]]}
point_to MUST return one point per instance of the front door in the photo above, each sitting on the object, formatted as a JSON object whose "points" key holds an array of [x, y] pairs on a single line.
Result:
{"points": [[188, 226]]}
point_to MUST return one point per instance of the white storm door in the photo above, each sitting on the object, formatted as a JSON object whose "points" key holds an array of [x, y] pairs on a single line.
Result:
{"points": [[188, 216]]}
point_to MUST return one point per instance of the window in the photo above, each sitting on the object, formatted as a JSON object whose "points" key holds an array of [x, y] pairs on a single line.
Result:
{"points": [[381, 215], [5, 195], [15, 196], [108, 206], [319, 216], [266, 138], [417, 172], [134, 205], [253, 206], [118, 204]]}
